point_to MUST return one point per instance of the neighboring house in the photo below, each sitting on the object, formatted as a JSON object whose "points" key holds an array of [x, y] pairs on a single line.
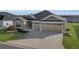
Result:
{"points": [[46, 21], [71, 18], [6, 19]]}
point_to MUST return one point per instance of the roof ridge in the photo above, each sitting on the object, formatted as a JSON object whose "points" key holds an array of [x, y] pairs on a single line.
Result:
{"points": [[43, 11]]}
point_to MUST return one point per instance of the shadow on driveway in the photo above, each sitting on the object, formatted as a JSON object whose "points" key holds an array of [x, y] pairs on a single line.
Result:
{"points": [[39, 34]]}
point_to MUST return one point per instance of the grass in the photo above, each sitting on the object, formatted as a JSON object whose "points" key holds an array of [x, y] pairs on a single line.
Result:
{"points": [[73, 41], [9, 36]]}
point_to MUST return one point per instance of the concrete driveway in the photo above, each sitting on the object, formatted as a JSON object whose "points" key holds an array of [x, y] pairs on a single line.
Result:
{"points": [[40, 40]]}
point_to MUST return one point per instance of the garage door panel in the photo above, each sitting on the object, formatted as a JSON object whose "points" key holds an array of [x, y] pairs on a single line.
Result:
{"points": [[51, 27], [36, 26], [48, 27]]}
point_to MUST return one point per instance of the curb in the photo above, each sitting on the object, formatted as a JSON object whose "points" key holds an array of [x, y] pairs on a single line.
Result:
{"points": [[17, 45]]}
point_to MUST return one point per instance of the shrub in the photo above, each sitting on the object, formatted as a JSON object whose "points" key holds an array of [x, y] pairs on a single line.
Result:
{"points": [[10, 28], [67, 29], [67, 34]]}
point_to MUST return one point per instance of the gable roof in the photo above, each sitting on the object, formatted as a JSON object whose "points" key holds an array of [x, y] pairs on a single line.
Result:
{"points": [[42, 14], [29, 17], [20, 18]]}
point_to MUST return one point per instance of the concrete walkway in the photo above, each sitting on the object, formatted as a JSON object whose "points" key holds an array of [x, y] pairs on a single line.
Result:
{"points": [[40, 40]]}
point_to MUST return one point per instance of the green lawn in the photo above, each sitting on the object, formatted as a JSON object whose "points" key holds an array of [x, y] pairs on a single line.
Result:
{"points": [[73, 41], [10, 36]]}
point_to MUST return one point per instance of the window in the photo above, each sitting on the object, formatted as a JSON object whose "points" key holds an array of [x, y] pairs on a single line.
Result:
{"points": [[1, 17], [17, 24], [60, 24]]}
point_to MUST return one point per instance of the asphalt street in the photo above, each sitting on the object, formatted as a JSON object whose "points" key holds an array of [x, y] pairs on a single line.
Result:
{"points": [[3, 46]]}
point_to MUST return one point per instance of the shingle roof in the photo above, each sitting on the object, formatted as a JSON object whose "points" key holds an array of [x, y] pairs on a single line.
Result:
{"points": [[28, 17], [42, 14], [21, 18]]}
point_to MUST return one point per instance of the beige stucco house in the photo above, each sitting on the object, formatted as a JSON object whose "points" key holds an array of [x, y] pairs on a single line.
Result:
{"points": [[45, 21]]}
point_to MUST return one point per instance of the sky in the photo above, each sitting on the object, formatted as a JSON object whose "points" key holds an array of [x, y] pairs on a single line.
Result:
{"points": [[58, 12]]}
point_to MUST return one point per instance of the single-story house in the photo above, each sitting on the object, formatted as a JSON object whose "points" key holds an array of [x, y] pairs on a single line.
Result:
{"points": [[45, 21], [42, 21]]}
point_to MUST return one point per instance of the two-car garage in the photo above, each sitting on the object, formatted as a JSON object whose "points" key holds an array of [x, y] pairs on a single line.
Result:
{"points": [[47, 21], [47, 26]]}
